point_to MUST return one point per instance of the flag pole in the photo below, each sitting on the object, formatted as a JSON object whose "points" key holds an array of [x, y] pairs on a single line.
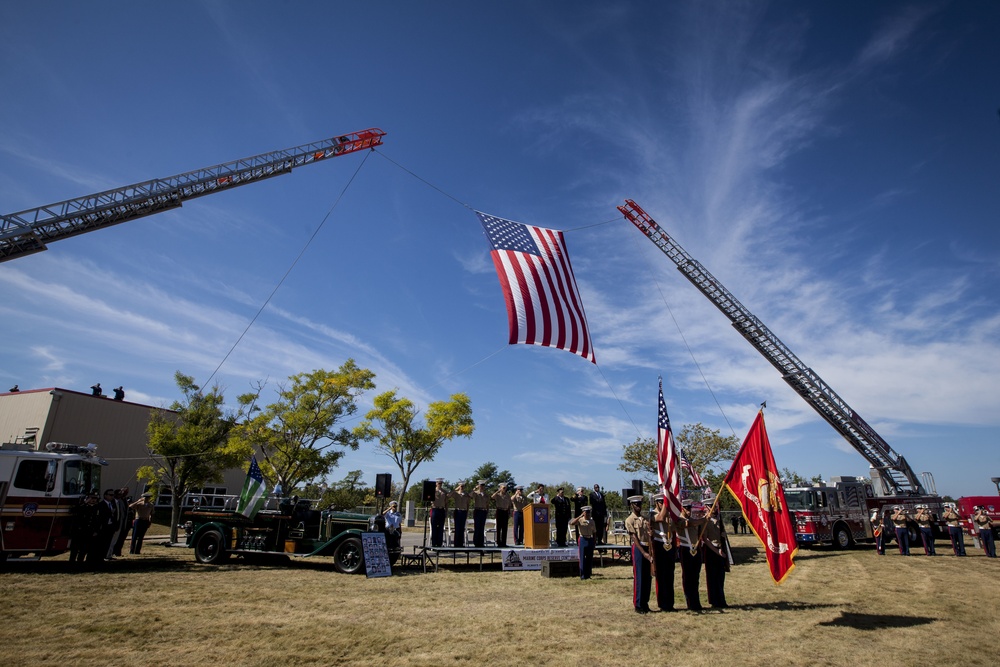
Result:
{"points": [[719, 494]]}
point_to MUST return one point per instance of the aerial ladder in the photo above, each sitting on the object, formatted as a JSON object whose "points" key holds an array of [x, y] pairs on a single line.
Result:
{"points": [[28, 232], [896, 475]]}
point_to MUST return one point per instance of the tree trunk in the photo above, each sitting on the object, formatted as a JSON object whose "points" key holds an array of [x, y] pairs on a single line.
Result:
{"points": [[175, 514]]}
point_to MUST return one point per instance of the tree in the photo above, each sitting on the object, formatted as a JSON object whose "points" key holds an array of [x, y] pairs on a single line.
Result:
{"points": [[405, 443], [348, 493], [297, 435], [792, 478], [702, 447], [493, 477], [191, 448]]}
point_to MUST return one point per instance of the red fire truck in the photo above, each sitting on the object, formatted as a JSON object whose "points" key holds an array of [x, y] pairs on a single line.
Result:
{"points": [[966, 507], [841, 513], [38, 491]]}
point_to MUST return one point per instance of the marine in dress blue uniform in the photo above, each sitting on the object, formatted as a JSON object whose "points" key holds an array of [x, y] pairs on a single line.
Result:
{"points": [[899, 518], [985, 525], [439, 511], [954, 521], [586, 528], [480, 510], [923, 519], [637, 527]]}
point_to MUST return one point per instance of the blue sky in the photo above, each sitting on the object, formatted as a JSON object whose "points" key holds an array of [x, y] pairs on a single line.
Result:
{"points": [[835, 165]]}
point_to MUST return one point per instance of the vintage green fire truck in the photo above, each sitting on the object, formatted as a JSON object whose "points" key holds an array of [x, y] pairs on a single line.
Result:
{"points": [[292, 527]]}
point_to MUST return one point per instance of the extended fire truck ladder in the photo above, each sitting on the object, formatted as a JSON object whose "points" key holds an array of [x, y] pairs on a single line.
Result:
{"points": [[895, 472], [28, 231]]}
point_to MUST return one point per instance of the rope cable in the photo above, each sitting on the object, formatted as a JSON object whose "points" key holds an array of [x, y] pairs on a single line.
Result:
{"points": [[285, 276]]}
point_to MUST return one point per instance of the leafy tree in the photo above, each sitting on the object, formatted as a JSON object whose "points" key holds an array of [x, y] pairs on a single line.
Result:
{"points": [[702, 447], [192, 447], [792, 478], [493, 477], [407, 444], [297, 435], [348, 493]]}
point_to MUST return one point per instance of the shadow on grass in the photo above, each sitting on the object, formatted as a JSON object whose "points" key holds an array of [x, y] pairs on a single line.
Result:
{"points": [[876, 621], [782, 605], [118, 566]]}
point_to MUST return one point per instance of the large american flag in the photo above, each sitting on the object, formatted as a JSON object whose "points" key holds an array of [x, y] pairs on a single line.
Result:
{"points": [[696, 479], [543, 304], [666, 461]]}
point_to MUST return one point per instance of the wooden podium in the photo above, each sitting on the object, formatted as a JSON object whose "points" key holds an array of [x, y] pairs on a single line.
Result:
{"points": [[536, 526]]}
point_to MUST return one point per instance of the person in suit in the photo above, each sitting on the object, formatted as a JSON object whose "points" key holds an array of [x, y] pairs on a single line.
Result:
{"points": [[600, 511], [104, 530], [560, 504], [580, 501]]}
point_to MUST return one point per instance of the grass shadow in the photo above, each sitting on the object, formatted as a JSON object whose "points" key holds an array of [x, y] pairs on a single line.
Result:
{"points": [[876, 621], [782, 605]]}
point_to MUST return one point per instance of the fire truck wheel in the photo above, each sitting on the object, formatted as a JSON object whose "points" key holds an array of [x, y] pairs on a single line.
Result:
{"points": [[349, 558], [210, 548], [842, 538]]}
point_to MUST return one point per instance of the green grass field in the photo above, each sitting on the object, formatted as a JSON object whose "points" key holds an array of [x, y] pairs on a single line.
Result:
{"points": [[836, 608]]}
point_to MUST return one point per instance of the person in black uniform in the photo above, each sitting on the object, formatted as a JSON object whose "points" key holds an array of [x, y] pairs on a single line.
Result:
{"points": [[580, 501], [664, 555], [600, 512], [84, 527], [104, 530], [716, 560], [560, 504], [690, 551], [439, 512]]}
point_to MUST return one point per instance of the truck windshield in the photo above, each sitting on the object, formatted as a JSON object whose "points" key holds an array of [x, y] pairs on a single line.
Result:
{"points": [[81, 477], [799, 500]]}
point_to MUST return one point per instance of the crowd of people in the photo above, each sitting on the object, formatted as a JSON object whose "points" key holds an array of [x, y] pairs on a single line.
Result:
{"points": [[101, 526], [509, 507], [900, 519]]}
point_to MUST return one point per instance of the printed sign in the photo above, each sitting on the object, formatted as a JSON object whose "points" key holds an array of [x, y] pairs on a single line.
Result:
{"points": [[376, 555], [531, 559]]}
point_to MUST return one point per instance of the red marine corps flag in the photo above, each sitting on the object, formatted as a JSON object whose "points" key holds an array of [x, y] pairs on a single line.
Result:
{"points": [[753, 481], [543, 304]]}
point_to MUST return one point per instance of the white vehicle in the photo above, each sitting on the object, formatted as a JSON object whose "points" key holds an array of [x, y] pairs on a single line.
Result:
{"points": [[39, 490]]}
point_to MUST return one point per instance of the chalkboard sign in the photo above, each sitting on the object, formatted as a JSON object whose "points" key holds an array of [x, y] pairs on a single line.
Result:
{"points": [[376, 555]]}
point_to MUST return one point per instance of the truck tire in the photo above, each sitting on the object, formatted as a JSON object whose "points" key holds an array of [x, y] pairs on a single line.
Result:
{"points": [[210, 548], [842, 537], [349, 557]]}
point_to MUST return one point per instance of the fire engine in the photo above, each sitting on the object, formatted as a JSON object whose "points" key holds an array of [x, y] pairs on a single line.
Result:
{"points": [[838, 514], [290, 527], [38, 492]]}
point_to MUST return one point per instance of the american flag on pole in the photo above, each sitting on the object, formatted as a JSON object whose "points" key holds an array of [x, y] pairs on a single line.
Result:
{"points": [[666, 461], [696, 479], [543, 303]]}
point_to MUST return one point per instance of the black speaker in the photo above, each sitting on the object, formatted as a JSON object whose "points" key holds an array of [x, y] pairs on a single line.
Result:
{"points": [[383, 485], [637, 487], [429, 488], [625, 494]]}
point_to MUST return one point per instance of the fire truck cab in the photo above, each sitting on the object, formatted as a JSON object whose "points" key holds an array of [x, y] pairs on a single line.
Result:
{"points": [[38, 491]]}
